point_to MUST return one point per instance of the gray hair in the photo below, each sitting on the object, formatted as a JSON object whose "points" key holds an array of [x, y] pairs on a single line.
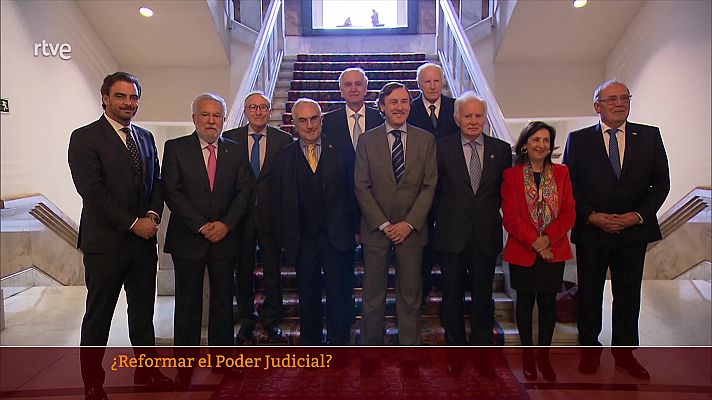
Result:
{"points": [[304, 100], [426, 66], [466, 98], [209, 96], [356, 69], [609, 82], [258, 92]]}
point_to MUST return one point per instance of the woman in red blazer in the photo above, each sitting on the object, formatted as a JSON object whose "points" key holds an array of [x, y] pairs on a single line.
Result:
{"points": [[538, 211]]}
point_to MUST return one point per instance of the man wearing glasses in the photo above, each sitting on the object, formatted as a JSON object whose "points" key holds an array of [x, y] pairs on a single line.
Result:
{"points": [[260, 143], [620, 176]]}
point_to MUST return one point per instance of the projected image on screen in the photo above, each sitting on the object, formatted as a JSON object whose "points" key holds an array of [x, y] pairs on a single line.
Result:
{"points": [[359, 14]]}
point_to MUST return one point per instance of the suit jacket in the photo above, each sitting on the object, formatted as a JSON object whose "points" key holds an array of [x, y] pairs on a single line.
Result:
{"points": [[381, 199], [521, 228], [335, 125], [113, 195], [261, 185], [193, 204], [340, 204], [420, 117], [643, 186], [458, 211]]}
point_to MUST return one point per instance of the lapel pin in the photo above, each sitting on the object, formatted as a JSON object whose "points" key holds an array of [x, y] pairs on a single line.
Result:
{"points": [[492, 156], [635, 133], [330, 146]]}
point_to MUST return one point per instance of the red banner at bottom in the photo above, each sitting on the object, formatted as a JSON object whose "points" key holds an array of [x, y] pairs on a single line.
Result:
{"points": [[356, 372]]}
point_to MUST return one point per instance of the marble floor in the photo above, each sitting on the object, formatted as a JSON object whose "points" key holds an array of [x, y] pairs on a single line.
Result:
{"points": [[674, 313]]}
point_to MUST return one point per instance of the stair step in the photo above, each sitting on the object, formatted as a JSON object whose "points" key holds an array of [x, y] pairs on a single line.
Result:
{"points": [[503, 304], [390, 75], [333, 84], [330, 95], [289, 277], [363, 57]]}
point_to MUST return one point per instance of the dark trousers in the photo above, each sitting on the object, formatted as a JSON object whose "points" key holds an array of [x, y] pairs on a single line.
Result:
{"points": [[105, 274], [429, 259], [470, 265], [626, 265], [317, 254], [189, 300], [270, 252], [546, 303]]}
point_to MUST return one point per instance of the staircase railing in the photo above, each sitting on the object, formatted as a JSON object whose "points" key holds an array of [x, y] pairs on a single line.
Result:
{"points": [[699, 199], [266, 58], [461, 68]]}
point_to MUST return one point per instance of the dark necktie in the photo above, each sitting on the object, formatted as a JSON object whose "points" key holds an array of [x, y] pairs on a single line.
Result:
{"points": [[255, 154], [613, 153], [475, 169], [433, 117], [133, 150], [397, 156]]}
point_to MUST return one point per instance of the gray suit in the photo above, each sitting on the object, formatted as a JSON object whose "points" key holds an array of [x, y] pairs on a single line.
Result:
{"points": [[381, 200]]}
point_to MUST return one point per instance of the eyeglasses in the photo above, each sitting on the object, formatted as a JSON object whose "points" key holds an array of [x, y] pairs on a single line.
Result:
{"points": [[625, 99], [254, 107]]}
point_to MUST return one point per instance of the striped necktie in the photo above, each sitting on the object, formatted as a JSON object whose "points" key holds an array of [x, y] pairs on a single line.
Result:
{"points": [[475, 169], [614, 154], [397, 155]]}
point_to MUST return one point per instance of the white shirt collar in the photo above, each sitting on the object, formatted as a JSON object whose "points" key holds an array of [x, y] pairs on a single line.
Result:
{"points": [[361, 111]]}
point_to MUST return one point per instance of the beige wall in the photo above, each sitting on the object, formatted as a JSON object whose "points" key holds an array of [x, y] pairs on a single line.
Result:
{"points": [[664, 57], [49, 97]]}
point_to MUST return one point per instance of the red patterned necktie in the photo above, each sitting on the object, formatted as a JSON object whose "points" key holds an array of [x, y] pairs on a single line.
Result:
{"points": [[212, 165]]}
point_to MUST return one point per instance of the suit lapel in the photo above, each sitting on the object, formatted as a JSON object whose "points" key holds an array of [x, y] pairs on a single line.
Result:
{"points": [[631, 143], [195, 152], [115, 141], [459, 158], [221, 173], [599, 147]]}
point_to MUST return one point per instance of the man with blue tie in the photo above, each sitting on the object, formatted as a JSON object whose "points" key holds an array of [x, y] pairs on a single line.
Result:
{"points": [[260, 143], [620, 178]]}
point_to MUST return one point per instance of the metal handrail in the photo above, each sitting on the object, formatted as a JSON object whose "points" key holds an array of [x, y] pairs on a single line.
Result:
{"points": [[461, 68], [266, 58]]}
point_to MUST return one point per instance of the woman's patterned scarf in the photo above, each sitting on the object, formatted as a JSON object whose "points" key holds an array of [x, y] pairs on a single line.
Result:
{"points": [[542, 203]]}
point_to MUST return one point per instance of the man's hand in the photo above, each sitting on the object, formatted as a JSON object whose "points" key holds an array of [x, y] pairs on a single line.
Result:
{"points": [[144, 228], [215, 231], [626, 220], [607, 222], [397, 233], [541, 243]]}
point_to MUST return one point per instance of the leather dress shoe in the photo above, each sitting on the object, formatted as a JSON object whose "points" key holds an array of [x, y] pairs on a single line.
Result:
{"points": [[547, 371], [154, 379], [633, 367], [274, 334], [589, 364], [528, 365], [245, 336], [95, 393], [182, 382]]}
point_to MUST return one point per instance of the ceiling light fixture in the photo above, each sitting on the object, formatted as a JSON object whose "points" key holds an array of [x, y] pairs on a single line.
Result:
{"points": [[580, 3], [145, 11]]}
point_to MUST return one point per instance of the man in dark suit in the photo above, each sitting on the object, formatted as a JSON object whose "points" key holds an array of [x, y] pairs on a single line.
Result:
{"points": [[260, 143], [346, 124], [468, 225], [207, 188], [620, 178], [114, 166], [317, 221], [395, 178], [432, 110]]}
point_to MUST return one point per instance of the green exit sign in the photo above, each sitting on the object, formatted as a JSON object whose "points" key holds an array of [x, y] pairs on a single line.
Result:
{"points": [[4, 105]]}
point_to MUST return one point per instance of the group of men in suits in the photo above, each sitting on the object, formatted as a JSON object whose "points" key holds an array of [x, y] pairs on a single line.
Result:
{"points": [[353, 176]]}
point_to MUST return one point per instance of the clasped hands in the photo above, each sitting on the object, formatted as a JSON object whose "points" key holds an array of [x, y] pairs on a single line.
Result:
{"points": [[613, 223], [542, 245], [215, 231], [397, 233]]}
